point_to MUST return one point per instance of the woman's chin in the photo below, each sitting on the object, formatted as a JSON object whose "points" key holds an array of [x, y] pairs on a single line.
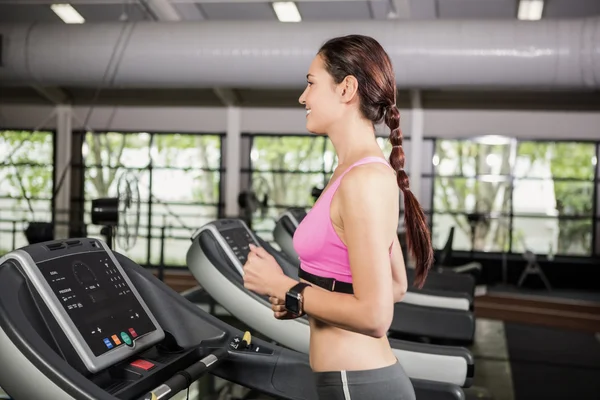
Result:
{"points": [[313, 129]]}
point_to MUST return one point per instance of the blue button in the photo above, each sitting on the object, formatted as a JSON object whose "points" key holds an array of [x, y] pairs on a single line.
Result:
{"points": [[108, 343]]}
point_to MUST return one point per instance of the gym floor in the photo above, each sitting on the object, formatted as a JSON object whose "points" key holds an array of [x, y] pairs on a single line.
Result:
{"points": [[517, 361]]}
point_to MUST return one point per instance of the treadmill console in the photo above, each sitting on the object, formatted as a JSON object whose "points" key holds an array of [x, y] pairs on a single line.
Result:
{"points": [[92, 300], [234, 236]]}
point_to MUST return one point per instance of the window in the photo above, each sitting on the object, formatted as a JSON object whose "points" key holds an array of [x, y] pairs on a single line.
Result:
{"points": [[26, 173], [178, 178], [501, 195], [553, 198], [472, 193]]}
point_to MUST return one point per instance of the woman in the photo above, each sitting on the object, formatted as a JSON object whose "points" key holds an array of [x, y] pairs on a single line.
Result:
{"points": [[352, 269]]}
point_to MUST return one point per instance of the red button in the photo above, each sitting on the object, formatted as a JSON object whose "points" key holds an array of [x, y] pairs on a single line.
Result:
{"points": [[143, 364], [132, 331]]}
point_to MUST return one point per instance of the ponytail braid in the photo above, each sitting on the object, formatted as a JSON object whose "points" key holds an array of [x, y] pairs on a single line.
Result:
{"points": [[417, 229]]}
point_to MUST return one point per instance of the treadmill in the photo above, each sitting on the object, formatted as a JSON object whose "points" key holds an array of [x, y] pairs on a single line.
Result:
{"points": [[218, 252], [79, 321], [438, 282]]}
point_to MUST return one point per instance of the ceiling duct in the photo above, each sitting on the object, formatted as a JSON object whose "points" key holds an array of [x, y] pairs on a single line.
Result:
{"points": [[426, 54]]}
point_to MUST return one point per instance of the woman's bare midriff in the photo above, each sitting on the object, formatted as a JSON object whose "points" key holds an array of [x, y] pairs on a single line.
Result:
{"points": [[335, 349]]}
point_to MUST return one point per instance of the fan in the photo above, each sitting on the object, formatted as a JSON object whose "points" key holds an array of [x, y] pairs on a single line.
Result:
{"points": [[120, 215]]}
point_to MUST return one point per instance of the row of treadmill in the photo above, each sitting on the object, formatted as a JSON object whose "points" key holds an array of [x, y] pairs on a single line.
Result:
{"points": [[79, 320]]}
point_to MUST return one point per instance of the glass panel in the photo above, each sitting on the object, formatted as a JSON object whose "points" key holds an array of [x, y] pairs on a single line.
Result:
{"points": [[173, 247], [490, 195], [329, 157], [552, 198], [490, 235], [286, 189], [186, 151], [552, 235], [598, 200], [117, 149], [287, 153], [425, 193], [17, 209], [185, 217], [470, 158], [25, 180], [565, 160], [12, 233], [595, 161], [103, 182], [15, 215], [385, 145], [185, 186], [26, 147], [263, 225]]}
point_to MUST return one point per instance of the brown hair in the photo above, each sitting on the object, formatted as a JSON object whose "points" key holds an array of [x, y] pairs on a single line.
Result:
{"points": [[365, 59]]}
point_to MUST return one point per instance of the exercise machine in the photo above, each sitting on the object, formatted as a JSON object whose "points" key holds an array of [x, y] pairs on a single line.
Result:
{"points": [[219, 250], [79, 321]]}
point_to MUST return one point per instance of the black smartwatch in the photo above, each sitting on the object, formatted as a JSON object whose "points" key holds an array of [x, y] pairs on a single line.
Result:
{"points": [[293, 299]]}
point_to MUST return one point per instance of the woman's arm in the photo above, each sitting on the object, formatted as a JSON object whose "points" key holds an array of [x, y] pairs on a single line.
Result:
{"points": [[398, 272], [369, 202]]}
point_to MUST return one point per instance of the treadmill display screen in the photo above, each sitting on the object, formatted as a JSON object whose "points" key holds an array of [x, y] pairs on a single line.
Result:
{"points": [[97, 299], [238, 239]]}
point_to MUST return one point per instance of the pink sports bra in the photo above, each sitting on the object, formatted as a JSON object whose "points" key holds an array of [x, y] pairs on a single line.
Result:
{"points": [[320, 249]]}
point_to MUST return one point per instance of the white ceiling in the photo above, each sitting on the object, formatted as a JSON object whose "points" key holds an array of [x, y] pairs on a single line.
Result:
{"points": [[311, 10]]}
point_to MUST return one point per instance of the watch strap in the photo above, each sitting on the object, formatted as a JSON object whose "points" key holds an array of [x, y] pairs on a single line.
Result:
{"points": [[297, 290], [299, 287]]}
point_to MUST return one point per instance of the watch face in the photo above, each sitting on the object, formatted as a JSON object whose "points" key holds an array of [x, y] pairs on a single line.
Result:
{"points": [[292, 304]]}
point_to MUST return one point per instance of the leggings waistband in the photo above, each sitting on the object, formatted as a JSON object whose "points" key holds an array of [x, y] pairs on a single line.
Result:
{"points": [[390, 372]]}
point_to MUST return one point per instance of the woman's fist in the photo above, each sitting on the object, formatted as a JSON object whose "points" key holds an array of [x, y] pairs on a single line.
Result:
{"points": [[279, 311]]}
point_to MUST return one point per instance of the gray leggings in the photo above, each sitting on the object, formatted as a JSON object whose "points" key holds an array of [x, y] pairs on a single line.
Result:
{"points": [[387, 383]]}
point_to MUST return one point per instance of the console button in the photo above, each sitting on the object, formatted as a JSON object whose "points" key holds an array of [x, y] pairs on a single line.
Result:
{"points": [[142, 364], [126, 339]]}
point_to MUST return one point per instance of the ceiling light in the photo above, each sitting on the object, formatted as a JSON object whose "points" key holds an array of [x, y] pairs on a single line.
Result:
{"points": [[67, 13], [530, 10], [287, 11]]}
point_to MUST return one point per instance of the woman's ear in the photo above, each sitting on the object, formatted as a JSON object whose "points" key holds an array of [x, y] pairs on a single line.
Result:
{"points": [[348, 89]]}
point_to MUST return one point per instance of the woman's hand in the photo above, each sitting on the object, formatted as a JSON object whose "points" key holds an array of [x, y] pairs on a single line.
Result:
{"points": [[279, 311], [263, 275]]}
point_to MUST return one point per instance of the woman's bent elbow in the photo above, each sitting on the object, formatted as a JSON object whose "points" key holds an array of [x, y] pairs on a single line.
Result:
{"points": [[380, 322], [399, 291]]}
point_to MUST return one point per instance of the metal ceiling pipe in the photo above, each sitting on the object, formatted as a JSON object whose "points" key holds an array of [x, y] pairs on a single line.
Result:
{"points": [[426, 54]]}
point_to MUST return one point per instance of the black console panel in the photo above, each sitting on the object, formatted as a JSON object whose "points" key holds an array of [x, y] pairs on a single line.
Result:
{"points": [[190, 334]]}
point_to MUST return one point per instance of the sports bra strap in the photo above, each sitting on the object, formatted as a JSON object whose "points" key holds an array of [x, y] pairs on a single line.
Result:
{"points": [[362, 161]]}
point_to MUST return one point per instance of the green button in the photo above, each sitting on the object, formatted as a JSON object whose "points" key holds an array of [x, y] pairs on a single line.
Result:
{"points": [[126, 338]]}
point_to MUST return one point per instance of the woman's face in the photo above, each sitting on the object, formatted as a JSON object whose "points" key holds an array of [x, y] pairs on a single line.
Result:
{"points": [[321, 99]]}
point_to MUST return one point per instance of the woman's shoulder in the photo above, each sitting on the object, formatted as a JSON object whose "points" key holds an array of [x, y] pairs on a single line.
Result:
{"points": [[373, 178]]}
